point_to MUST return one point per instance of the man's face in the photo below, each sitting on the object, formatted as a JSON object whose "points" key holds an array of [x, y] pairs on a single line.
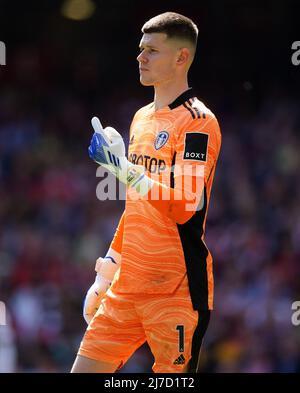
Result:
{"points": [[157, 60]]}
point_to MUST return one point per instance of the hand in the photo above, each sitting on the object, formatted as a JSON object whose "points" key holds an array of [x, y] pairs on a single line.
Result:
{"points": [[107, 148], [94, 297], [106, 269]]}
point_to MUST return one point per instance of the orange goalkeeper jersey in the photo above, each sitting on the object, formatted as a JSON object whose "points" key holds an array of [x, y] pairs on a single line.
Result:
{"points": [[160, 237]]}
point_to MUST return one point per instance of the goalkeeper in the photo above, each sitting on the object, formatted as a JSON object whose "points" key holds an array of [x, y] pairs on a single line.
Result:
{"points": [[155, 283]]}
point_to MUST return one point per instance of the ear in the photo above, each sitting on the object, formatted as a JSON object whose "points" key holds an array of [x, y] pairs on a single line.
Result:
{"points": [[183, 57]]}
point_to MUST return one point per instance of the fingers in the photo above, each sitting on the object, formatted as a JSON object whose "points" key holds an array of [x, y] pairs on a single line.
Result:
{"points": [[97, 126], [113, 134], [91, 153]]}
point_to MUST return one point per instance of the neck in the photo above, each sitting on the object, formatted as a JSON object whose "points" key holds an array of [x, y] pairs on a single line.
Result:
{"points": [[166, 93]]}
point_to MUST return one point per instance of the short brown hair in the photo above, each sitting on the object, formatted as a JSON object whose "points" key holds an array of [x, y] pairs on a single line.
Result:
{"points": [[174, 25]]}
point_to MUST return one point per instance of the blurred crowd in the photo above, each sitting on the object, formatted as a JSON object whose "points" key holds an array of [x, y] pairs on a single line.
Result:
{"points": [[53, 227]]}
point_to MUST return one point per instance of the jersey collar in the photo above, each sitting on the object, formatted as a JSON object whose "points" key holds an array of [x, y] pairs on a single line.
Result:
{"points": [[182, 98]]}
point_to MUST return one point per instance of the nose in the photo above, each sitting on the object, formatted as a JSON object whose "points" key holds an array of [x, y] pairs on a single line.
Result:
{"points": [[142, 58]]}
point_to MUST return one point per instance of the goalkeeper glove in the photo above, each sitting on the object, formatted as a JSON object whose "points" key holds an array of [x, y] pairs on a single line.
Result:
{"points": [[107, 148], [106, 269]]}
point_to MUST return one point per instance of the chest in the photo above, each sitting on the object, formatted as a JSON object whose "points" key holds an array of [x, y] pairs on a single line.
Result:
{"points": [[152, 144]]}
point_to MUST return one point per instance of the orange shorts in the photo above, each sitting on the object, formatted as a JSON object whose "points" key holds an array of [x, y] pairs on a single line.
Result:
{"points": [[170, 325]]}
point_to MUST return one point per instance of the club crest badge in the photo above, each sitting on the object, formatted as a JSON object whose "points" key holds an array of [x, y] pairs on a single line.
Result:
{"points": [[161, 139]]}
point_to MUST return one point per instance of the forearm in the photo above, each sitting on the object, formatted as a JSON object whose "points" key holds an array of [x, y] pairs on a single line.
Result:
{"points": [[179, 204], [117, 242]]}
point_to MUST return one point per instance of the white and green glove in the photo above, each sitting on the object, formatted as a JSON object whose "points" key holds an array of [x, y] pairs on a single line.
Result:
{"points": [[107, 148]]}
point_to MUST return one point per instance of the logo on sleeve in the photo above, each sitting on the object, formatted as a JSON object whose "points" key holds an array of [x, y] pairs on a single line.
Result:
{"points": [[195, 146], [161, 139]]}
